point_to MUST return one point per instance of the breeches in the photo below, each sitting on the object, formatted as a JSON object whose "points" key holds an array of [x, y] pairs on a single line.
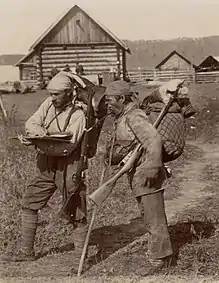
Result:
{"points": [[50, 175]]}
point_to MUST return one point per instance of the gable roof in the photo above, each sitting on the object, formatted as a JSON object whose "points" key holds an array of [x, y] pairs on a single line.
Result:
{"points": [[71, 10], [24, 57], [216, 58], [210, 62], [10, 59], [170, 55]]}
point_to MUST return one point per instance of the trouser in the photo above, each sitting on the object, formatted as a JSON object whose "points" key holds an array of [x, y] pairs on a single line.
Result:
{"points": [[152, 208], [153, 211], [49, 177]]}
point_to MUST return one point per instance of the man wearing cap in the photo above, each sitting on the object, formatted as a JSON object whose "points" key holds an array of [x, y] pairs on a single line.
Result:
{"points": [[52, 171], [146, 178], [54, 71], [79, 69]]}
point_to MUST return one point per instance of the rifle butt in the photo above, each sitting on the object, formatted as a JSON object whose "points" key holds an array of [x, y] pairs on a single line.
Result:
{"points": [[99, 196]]}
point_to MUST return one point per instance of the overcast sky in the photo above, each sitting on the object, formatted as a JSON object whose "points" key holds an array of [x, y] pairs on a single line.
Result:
{"points": [[22, 21]]}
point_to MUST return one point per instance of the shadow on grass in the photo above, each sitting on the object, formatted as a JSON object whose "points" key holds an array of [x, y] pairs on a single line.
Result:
{"points": [[109, 239], [183, 233]]}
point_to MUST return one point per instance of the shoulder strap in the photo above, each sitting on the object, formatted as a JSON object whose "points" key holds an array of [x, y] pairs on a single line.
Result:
{"points": [[73, 109], [47, 111]]}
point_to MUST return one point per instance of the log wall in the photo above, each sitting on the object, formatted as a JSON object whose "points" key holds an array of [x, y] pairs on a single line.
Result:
{"points": [[96, 60]]}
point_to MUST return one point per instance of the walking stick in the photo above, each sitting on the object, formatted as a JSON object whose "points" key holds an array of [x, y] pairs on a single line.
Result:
{"points": [[80, 268], [90, 229], [3, 108]]}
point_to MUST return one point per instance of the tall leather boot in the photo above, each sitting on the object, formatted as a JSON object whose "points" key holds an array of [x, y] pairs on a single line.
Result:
{"points": [[79, 236], [29, 221]]}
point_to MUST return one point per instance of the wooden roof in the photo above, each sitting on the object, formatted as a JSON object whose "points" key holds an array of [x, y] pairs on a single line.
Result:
{"points": [[209, 61], [174, 52], [70, 11]]}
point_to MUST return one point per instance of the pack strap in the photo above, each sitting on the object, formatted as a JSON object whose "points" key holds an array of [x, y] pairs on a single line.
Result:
{"points": [[73, 109]]}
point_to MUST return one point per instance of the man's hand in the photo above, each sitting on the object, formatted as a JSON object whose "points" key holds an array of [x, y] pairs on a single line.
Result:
{"points": [[39, 132], [24, 140]]}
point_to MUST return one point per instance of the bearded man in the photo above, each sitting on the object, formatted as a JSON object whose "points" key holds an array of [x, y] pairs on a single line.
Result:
{"points": [[57, 114]]}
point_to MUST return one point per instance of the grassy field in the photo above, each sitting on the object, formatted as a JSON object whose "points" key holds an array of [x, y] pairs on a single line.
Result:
{"points": [[194, 228]]}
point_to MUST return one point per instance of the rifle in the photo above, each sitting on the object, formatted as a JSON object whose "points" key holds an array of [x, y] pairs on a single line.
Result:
{"points": [[82, 161], [99, 196]]}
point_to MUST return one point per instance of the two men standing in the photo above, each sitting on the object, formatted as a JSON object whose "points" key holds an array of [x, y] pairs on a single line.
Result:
{"points": [[146, 178]]}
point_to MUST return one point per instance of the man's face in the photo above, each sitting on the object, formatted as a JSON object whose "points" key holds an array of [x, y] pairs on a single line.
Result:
{"points": [[115, 104], [60, 99]]}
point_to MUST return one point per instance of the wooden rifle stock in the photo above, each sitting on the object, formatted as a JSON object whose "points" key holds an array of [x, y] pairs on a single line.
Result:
{"points": [[99, 196]]}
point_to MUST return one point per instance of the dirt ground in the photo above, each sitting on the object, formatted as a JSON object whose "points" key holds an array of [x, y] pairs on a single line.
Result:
{"points": [[118, 247]]}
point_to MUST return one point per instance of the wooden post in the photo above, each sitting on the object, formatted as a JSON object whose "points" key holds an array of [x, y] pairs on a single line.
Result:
{"points": [[39, 67], [118, 61], [124, 70], [21, 72], [155, 75], [194, 75]]}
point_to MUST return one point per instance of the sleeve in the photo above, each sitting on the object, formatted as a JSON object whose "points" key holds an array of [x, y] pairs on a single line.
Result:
{"points": [[77, 126], [147, 135], [34, 125]]}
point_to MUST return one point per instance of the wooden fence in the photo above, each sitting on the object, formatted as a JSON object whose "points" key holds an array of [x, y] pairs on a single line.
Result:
{"points": [[140, 75], [207, 77]]}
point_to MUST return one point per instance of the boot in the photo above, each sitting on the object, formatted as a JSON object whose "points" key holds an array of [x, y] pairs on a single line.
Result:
{"points": [[29, 221], [80, 234], [20, 256], [150, 268]]}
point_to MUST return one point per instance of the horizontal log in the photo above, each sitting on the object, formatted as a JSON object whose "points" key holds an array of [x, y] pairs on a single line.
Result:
{"points": [[85, 49], [75, 57], [78, 47], [81, 59], [46, 73], [60, 64], [83, 62], [88, 69], [81, 51], [78, 44], [206, 78], [81, 54]]}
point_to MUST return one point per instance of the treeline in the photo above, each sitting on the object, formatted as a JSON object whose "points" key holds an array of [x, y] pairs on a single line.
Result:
{"points": [[148, 53]]}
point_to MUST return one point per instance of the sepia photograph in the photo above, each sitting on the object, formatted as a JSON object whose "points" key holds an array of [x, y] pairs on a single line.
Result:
{"points": [[109, 153]]}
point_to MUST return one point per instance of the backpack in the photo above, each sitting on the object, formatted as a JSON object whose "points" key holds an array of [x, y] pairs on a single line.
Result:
{"points": [[173, 134], [173, 126], [98, 114]]}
